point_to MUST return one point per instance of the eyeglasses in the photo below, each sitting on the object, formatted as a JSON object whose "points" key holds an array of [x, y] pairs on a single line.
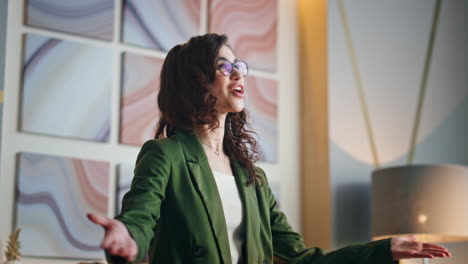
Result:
{"points": [[227, 68]]}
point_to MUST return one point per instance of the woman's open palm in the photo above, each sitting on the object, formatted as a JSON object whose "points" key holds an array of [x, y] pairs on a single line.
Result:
{"points": [[406, 247], [117, 241]]}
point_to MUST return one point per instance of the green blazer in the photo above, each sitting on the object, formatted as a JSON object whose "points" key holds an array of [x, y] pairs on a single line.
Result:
{"points": [[173, 211]]}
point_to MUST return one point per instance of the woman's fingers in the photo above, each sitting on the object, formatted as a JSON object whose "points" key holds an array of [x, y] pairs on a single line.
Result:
{"points": [[430, 245], [132, 252], [99, 220], [116, 241], [109, 240], [421, 255], [407, 247], [434, 246], [437, 253], [125, 250], [114, 249], [436, 249], [126, 253], [124, 247]]}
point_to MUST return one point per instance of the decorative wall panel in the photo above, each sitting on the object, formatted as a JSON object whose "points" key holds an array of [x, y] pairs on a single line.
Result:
{"points": [[53, 196], [91, 18], [262, 104], [66, 89], [139, 110], [160, 24], [251, 27]]}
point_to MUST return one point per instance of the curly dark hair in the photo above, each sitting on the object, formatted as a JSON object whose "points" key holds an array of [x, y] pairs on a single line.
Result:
{"points": [[185, 101]]}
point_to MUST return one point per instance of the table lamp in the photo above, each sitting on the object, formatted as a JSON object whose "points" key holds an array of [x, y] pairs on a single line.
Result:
{"points": [[428, 201]]}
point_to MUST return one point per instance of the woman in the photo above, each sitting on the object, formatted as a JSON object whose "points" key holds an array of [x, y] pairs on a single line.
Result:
{"points": [[197, 197]]}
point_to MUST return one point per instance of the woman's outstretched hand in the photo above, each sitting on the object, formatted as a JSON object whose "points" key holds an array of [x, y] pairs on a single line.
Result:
{"points": [[117, 241], [406, 247]]}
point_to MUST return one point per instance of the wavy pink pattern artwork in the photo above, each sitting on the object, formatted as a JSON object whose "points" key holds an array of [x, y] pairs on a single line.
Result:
{"points": [[262, 104], [53, 196], [91, 18], [139, 110], [251, 27], [160, 24]]}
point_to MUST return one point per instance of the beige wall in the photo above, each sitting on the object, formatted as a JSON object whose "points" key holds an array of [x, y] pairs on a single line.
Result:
{"points": [[389, 39]]}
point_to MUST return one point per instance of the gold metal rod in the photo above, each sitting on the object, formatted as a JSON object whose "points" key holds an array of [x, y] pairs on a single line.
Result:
{"points": [[357, 78], [422, 91]]}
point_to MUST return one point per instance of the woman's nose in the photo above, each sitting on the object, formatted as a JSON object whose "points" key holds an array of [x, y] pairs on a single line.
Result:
{"points": [[236, 74]]}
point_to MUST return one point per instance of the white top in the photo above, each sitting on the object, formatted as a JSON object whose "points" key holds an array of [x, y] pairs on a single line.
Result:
{"points": [[232, 208]]}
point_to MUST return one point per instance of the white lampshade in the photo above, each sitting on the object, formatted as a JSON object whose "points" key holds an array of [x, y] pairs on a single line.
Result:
{"points": [[429, 201]]}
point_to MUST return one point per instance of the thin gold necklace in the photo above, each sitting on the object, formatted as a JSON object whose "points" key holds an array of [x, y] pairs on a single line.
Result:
{"points": [[215, 151]]}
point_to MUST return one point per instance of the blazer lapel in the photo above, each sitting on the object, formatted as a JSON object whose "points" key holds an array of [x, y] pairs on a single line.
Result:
{"points": [[251, 216], [203, 179]]}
